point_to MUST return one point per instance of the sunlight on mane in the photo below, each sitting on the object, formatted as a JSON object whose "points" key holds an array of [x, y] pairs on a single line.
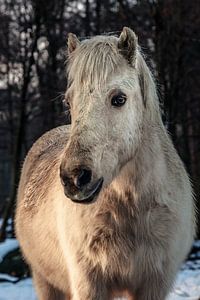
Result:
{"points": [[94, 61]]}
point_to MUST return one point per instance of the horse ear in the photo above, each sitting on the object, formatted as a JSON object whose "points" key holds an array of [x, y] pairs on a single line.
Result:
{"points": [[127, 44], [72, 42]]}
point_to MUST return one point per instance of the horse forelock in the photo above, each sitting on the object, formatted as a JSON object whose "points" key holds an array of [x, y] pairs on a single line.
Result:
{"points": [[94, 62]]}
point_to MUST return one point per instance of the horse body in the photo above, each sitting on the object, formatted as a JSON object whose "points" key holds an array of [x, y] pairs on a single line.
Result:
{"points": [[133, 234]]}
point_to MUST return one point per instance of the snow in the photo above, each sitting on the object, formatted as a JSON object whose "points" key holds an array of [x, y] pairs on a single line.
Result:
{"points": [[186, 287], [7, 246], [22, 290]]}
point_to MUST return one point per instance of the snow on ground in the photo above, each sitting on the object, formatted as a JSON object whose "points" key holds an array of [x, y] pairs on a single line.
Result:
{"points": [[23, 290], [186, 287], [8, 245]]}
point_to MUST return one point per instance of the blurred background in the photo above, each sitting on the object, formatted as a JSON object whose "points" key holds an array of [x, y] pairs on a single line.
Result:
{"points": [[33, 35]]}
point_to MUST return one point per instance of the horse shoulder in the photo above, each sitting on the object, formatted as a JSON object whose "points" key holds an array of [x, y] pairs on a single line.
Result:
{"points": [[41, 166]]}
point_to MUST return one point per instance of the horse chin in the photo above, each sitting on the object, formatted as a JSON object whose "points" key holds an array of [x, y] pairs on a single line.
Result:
{"points": [[88, 195]]}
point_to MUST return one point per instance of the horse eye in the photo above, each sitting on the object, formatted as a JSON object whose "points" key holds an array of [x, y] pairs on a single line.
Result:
{"points": [[118, 100]]}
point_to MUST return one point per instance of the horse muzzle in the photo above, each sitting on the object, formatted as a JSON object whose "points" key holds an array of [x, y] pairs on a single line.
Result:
{"points": [[78, 185], [87, 195]]}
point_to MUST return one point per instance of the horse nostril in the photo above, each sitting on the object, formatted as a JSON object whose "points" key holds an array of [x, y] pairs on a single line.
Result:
{"points": [[83, 178]]}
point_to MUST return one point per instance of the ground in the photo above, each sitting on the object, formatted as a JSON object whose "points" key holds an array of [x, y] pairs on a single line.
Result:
{"points": [[186, 287]]}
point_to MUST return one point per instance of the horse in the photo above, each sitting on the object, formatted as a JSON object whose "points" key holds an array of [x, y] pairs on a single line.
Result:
{"points": [[105, 207]]}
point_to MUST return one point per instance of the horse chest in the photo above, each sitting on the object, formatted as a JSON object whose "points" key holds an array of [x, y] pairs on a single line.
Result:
{"points": [[111, 246]]}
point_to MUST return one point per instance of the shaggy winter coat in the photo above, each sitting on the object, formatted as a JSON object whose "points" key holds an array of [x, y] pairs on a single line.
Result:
{"points": [[125, 221]]}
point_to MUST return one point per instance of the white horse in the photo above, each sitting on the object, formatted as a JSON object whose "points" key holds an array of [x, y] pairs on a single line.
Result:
{"points": [[105, 206]]}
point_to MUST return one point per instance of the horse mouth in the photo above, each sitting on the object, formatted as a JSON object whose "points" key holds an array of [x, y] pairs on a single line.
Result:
{"points": [[88, 195]]}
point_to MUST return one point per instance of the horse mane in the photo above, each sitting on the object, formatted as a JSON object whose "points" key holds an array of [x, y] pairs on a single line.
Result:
{"points": [[148, 88], [94, 61]]}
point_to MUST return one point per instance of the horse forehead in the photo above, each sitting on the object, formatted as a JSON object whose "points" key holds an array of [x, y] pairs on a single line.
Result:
{"points": [[125, 81], [89, 93]]}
